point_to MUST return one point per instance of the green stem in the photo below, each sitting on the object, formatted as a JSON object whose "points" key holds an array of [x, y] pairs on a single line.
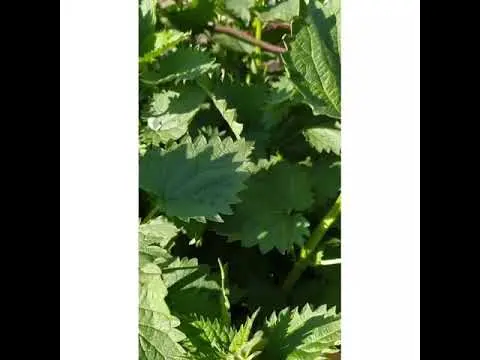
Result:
{"points": [[330, 262], [151, 214], [257, 26], [309, 248]]}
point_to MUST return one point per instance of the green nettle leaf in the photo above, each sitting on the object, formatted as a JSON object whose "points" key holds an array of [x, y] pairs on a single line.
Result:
{"points": [[229, 114], [240, 8], [146, 24], [199, 179], [248, 100], [325, 137], [237, 145], [191, 290], [192, 15], [285, 11], [213, 339], [158, 231], [158, 336], [302, 335], [242, 336], [171, 111], [331, 9], [313, 66], [182, 65], [269, 214], [208, 339], [282, 96], [326, 175], [160, 43]]}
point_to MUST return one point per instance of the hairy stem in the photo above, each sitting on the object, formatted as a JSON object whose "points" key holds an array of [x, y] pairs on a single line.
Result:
{"points": [[309, 248], [248, 38]]}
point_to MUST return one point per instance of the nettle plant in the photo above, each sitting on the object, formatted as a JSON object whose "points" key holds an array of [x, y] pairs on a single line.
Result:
{"points": [[239, 131]]}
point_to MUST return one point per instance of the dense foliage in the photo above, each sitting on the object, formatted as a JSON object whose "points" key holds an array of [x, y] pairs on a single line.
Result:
{"points": [[239, 133]]}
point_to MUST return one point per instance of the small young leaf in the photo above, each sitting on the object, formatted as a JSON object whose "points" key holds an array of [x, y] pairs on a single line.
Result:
{"points": [[302, 335], [159, 43], [325, 137]]}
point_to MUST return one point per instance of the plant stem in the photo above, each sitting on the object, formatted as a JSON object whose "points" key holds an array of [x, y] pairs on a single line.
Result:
{"points": [[330, 262], [151, 214], [248, 38], [309, 248], [257, 25]]}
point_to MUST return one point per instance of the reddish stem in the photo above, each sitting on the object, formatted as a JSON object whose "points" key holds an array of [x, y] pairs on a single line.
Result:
{"points": [[248, 38]]}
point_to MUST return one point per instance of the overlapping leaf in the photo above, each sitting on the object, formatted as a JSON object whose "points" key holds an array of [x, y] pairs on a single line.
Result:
{"points": [[171, 111], [197, 179], [191, 289], [268, 215], [181, 65], [229, 114]]}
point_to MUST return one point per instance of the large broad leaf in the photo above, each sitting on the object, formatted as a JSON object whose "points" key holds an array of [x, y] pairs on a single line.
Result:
{"points": [[268, 215], [184, 64], [302, 335], [312, 64], [158, 336], [240, 8], [196, 179], [324, 137], [171, 111], [285, 11]]}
